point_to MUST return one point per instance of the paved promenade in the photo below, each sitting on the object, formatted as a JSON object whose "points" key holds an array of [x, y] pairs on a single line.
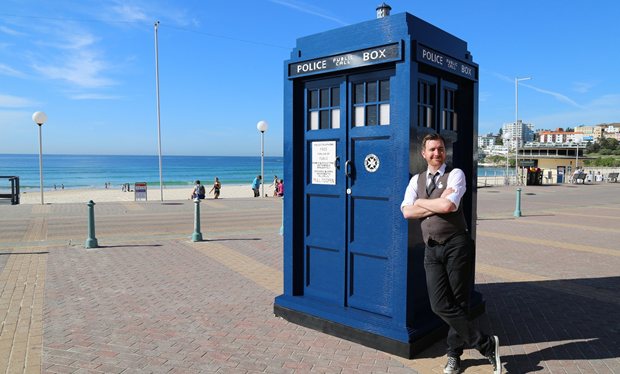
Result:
{"points": [[150, 300]]}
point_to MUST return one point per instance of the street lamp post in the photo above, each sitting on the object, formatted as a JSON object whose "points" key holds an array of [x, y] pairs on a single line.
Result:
{"points": [[517, 133], [40, 118], [262, 126], [506, 137], [161, 179]]}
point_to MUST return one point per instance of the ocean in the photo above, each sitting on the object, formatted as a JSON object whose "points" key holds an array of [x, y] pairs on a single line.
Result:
{"points": [[94, 171]]}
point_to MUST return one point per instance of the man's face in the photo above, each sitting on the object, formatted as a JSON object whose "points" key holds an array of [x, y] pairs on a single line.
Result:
{"points": [[434, 153]]}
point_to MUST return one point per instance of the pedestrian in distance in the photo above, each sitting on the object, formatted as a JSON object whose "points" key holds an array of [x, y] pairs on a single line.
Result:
{"points": [[199, 191], [217, 186], [256, 185], [434, 197]]}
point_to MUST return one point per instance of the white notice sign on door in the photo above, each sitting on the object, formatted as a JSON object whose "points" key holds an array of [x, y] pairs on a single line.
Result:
{"points": [[324, 162]]}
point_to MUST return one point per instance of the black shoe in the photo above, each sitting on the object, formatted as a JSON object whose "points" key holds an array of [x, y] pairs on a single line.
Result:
{"points": [[453, 366], [494, 357]]}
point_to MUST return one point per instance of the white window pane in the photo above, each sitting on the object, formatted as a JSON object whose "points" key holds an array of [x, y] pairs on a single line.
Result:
{"points": [[359, 115], [429, 118], [335, 118], [314, 120], [384, 114]]}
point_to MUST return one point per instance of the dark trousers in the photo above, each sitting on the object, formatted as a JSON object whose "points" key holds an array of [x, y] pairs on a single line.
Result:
{"points": [[449, 269]]}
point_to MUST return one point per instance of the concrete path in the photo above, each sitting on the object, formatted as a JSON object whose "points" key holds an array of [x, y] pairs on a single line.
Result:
{"points": [[150, 300]]}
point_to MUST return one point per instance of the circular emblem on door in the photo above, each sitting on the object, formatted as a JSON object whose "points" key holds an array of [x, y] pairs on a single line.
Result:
{"points": [[371, 163]]}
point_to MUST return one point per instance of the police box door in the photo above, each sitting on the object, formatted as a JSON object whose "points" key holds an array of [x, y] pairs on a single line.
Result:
{"points": [[349, 193]]}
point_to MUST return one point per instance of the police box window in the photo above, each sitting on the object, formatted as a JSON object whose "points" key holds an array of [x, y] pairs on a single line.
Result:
{"points": [[324, 108], [448, 120], [426, 104], [371, 103]]}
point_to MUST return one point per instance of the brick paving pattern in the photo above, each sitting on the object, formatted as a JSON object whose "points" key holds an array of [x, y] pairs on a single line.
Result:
{"points": [[151, 301]]}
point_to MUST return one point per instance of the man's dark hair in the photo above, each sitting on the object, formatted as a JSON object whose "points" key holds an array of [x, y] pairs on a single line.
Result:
{"points": [[432, 136]]}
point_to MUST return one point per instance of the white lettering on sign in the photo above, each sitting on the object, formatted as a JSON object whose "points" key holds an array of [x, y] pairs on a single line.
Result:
{"points": [[373, 55], [342, 60], [311, 66], [432, 57], [324, 162], [444, 62]]}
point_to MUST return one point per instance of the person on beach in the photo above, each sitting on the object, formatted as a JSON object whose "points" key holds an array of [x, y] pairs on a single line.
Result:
{"points": [[199, 191], [275, 185], [280, 188], [434, 198], [256, 185], [217, 186]]}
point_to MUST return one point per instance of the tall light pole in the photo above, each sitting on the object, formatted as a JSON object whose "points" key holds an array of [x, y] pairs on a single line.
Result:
{"points": [[506, 137], [40, 118], [262, 126], [161, 184], [517, 133]]}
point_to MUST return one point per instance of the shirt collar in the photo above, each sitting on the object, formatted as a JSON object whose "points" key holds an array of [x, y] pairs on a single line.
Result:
{"points": [[442, 170]]}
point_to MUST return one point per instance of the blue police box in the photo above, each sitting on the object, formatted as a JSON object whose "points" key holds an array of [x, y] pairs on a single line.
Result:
{"points": [[357, 102]]}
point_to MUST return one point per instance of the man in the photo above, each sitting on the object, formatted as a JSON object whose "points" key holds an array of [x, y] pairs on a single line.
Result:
{"points": [[199, 191], [256, 185], [434, 197]]}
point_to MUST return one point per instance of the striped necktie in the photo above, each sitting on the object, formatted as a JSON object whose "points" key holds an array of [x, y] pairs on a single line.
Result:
{"points": [[433, 183]]}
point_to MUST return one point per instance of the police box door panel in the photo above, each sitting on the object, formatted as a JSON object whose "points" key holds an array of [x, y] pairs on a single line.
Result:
{"points": [[324, 205], [370, 194]]}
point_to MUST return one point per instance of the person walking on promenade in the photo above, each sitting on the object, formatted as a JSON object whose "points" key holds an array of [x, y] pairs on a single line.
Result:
{"points": [[256, 185], [434, 197]]}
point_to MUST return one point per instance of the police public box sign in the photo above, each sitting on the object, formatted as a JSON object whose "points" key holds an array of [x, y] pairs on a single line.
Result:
{"points": [[371, 56], [444, 62]]}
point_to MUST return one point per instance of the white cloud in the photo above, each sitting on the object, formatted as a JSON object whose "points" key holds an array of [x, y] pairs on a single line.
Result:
{"points": [[83, 69], [604, 109], [558, 96], [129, 13], [9, 31], [582, 87], [9, 101], [7, 70], [94, 96], [307, 8]]}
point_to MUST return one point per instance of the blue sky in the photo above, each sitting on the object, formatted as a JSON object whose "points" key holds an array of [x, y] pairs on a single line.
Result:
{"points": [[90, 65]]}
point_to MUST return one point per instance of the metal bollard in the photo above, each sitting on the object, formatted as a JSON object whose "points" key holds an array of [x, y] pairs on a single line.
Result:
{"points": [[517, 212], [197, 235], [91, 241]]}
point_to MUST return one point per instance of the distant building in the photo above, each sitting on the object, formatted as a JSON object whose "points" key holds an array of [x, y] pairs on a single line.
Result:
{"points": [[486, 141], [520, 133], [560, 136]]}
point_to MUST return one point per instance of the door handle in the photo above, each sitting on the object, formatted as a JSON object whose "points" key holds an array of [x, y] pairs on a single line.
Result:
{"points": [[347, 168]]}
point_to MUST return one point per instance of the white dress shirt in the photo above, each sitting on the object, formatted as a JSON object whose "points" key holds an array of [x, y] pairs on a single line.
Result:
{"points": [[456, 181]]}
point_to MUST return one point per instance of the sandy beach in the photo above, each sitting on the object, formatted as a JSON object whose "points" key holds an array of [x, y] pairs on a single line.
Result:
{"points": [[108, 195]]}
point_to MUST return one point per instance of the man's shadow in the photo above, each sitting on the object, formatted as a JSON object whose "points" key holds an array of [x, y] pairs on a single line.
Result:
{"points": [[557, 320]]}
